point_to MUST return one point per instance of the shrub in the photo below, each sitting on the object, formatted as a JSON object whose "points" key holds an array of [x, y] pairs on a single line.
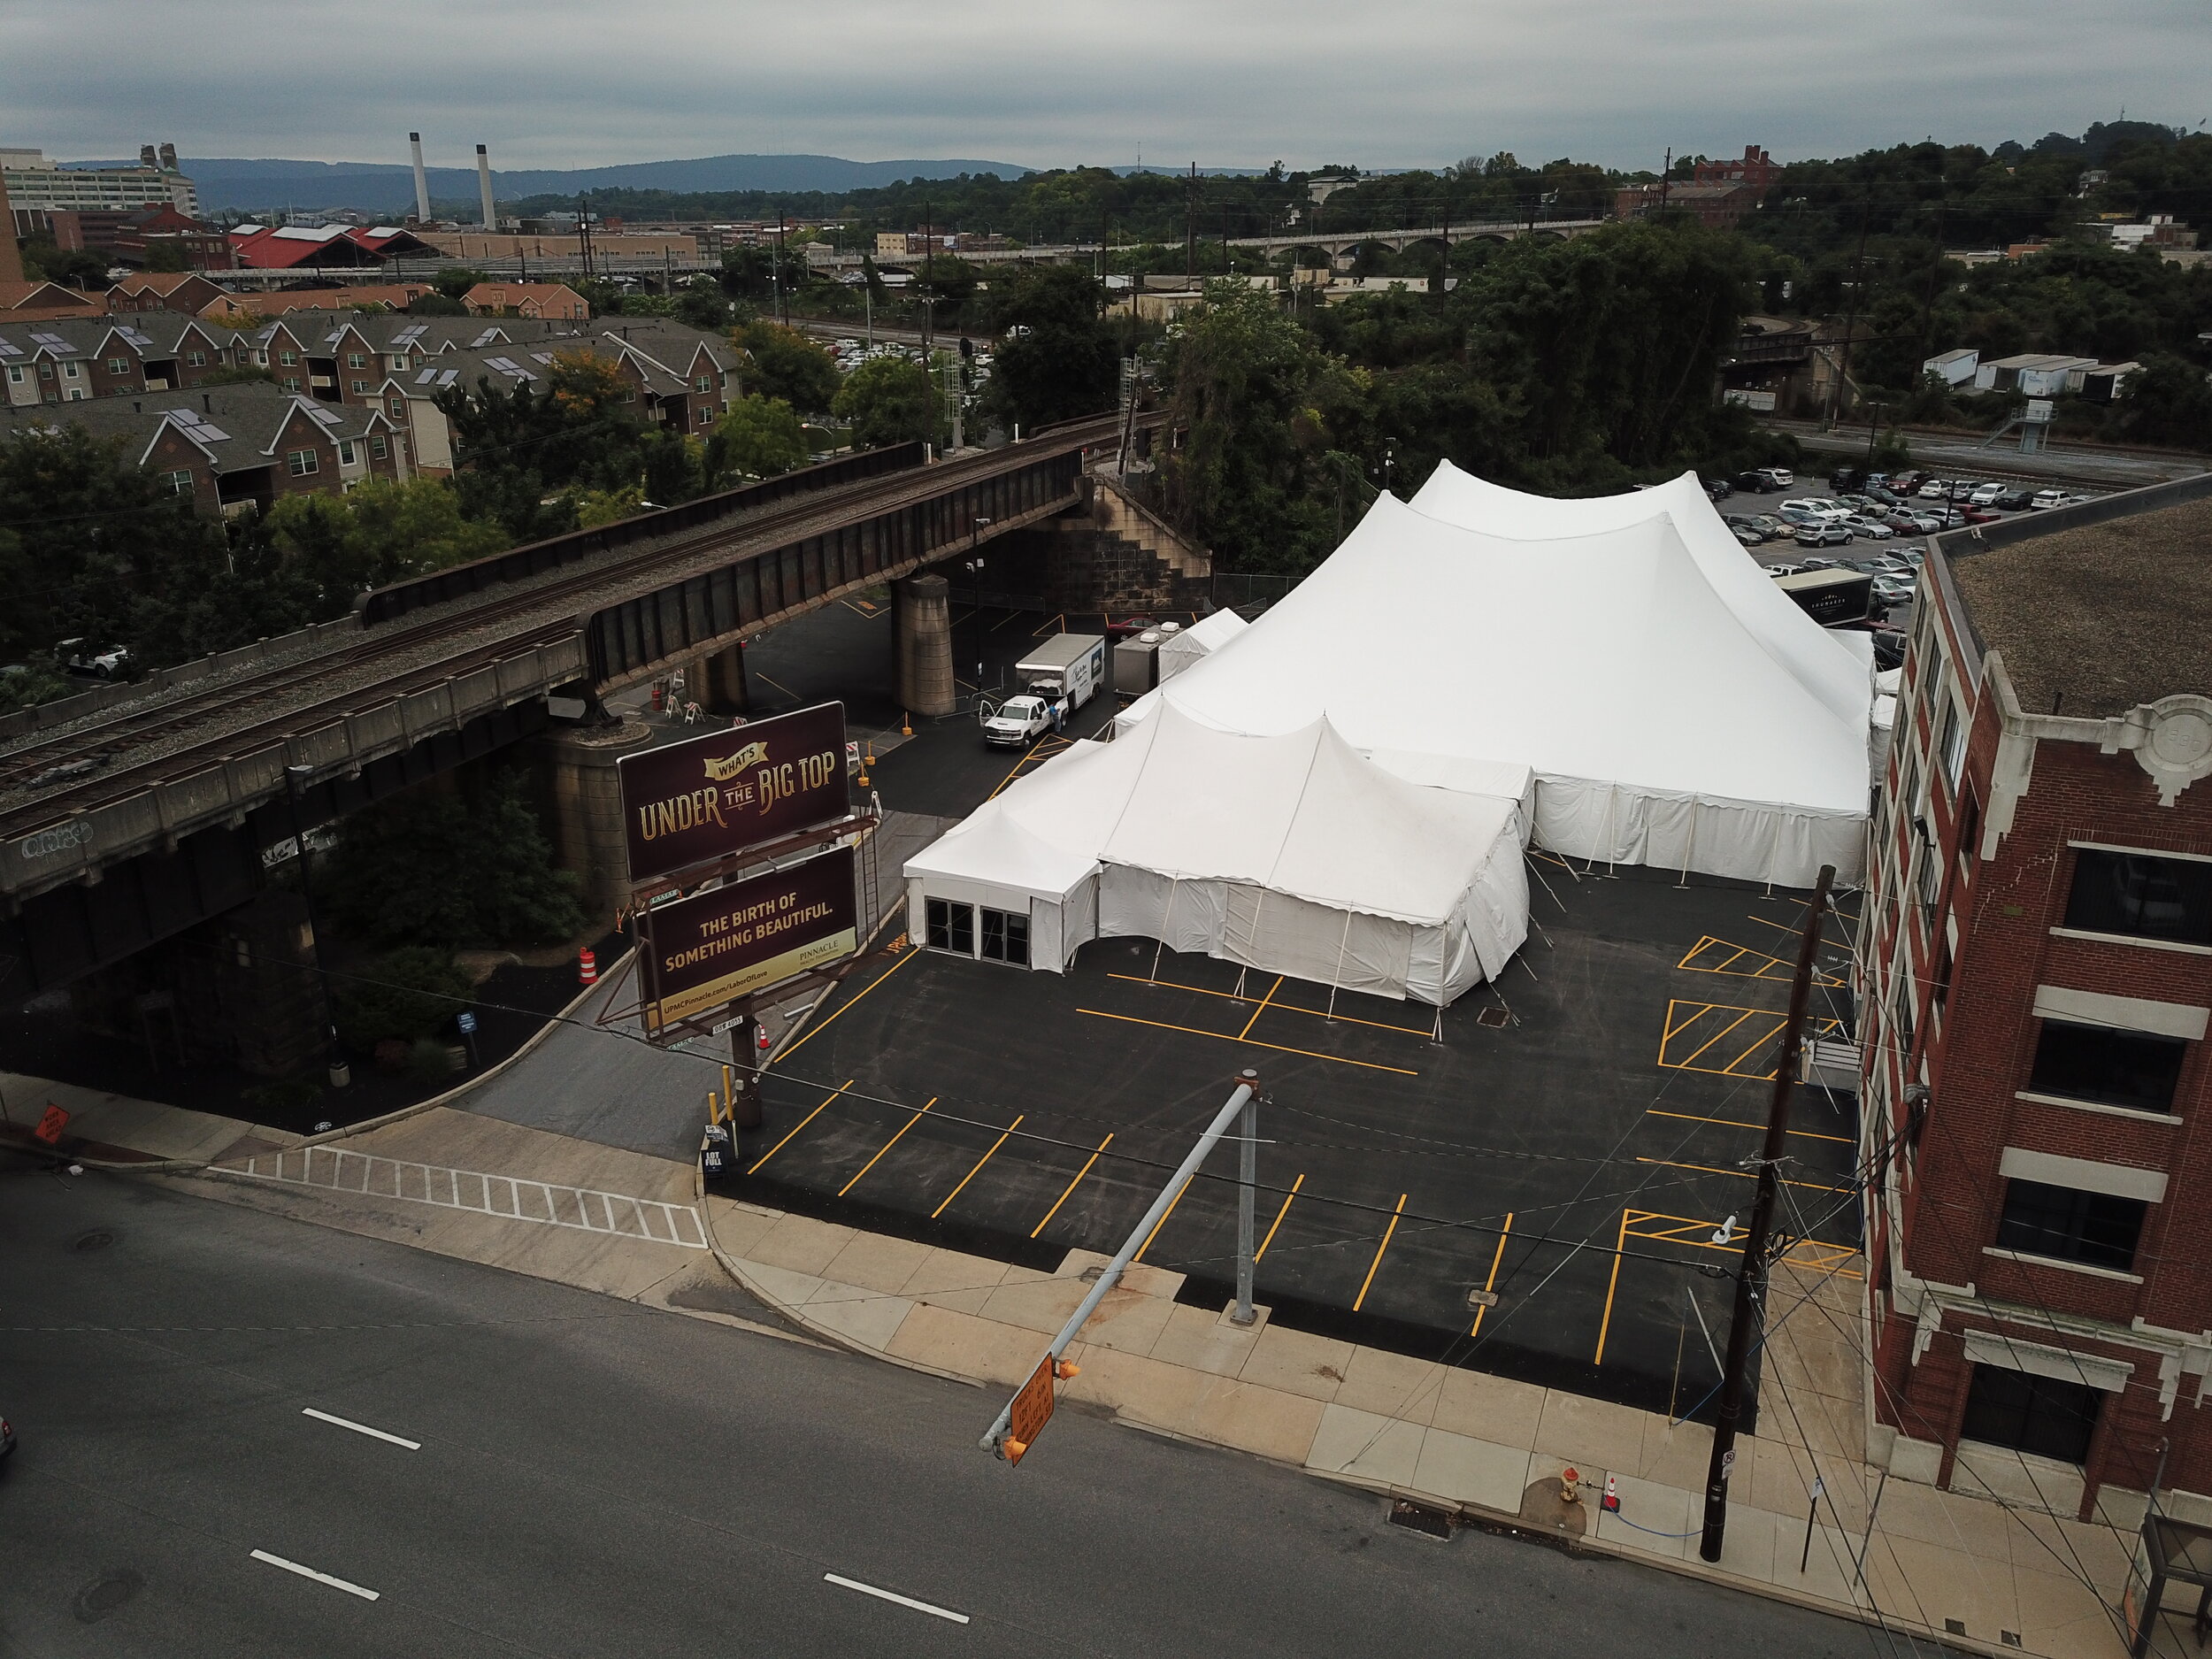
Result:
{"points": [[402, 995]]}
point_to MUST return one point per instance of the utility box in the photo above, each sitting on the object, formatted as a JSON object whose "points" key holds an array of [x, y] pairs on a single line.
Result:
{"points": [[1137, 664], [1831, 597]]}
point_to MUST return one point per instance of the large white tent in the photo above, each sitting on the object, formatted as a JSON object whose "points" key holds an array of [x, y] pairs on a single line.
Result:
{"points": [[1203, 638], [1671, 715], [1287, 851]]}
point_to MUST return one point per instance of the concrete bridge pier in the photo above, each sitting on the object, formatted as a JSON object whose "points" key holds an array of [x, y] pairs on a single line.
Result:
{"points": [[922, 627], [583, 801], [718, 682]]}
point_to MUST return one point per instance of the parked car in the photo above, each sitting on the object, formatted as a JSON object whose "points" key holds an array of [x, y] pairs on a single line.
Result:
{"points": [[1962, 489], [1888, 592], [2013, 501], [1883, 496], [1819, 506], [1913, 556], [1752, 483], [1934, 489], [1981, 515], [1890, 564], [1797, 517], [1872, 529], [1985, 495], [1745, 521], [1904, 523], [94, 660], [1129, 627], [1950, 518], [1717, 489], [1823, 563], [1778, 477], [2045, 499], [1746, 537], [1833, 533], [1785, 570]]}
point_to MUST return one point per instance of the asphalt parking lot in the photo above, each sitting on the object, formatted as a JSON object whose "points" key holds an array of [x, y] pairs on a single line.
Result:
{"points": [[1534, 1191]]}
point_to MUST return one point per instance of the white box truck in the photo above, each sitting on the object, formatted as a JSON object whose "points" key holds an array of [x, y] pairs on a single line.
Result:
{"points": [[1057, 677]]}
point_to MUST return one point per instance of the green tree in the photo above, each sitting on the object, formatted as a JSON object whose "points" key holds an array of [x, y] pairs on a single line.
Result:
{"points": [[758, 437], [402, 995], [455, 281], [381, 531], [1065, 365], [435, 869], [701, 303], [886, 401], [786, 365], [436, 305], [77, 268], [2167, 402], [165, 258]]}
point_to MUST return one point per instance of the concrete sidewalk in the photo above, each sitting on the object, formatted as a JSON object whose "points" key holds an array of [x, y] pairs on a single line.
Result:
{"points": [[1912, 1559], [116, 1129]]}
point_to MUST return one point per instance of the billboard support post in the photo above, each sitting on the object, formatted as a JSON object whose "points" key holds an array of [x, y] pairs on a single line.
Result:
{"points": [[745, 1087]]}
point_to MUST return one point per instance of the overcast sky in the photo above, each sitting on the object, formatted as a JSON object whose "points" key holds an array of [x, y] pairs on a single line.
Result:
{"points": [[1379, 83]]}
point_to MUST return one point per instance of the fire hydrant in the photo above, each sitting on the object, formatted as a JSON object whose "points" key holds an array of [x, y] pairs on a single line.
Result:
{"points": [[1571, 1485]]}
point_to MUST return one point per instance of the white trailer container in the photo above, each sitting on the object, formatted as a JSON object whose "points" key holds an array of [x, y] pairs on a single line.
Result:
{"points": [[1067, 667]]}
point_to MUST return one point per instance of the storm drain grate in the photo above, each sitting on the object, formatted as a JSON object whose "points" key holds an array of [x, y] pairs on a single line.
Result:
{"points": [[1423, 1518], [1492, 1018]]}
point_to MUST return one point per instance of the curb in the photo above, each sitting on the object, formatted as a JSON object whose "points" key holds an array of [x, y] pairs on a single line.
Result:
{"points": [[554, 1021]]}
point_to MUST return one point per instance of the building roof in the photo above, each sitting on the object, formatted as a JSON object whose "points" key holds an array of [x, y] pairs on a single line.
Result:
{"points": [[2105, 616], [49, 299], [237, 427], [396, 294], [494, 296], [151, 335]]}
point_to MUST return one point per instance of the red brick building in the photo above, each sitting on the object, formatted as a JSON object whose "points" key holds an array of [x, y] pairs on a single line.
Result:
{"points": [[2035, 976], [1756, 169]]}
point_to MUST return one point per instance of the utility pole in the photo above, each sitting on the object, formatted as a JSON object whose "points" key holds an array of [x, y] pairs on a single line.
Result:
{"points": [[1190, 230], [929, 301], [1751, 1274], [1851, 311], [583, 234], [783, 308], [1666, 171]]}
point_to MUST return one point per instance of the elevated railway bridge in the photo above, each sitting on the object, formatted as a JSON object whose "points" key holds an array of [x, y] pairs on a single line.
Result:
{"points": [[135, 813]]}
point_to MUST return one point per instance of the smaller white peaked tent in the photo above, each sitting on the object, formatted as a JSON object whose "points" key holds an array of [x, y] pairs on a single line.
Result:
{"points": [[1290, 853], [1180, 650]]}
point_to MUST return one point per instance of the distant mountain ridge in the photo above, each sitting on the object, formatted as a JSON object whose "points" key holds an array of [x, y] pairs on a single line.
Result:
{"points": [[257, 186]]}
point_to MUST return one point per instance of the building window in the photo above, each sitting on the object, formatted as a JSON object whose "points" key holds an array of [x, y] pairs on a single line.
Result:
{"points": [[1901, 1011], [2135, 1069], [397, 363], [2141, 896], [179, 483], [345, 452], [1006, 937], [299, 463], [356, 360], [951, 926], [706, 383], [2041, 1416], [706, 416], [2095, 1229], [261, 357], [1951, 743], [288, 359], [360, 389], [1969, 828], [68, 371], [1942, 995], [398, 406], [119, 366], [15, 374], [378, 448], [196, 360]]}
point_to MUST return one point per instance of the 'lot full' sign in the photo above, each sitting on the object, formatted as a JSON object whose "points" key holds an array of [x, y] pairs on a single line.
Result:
{"points": [[691, 803]]}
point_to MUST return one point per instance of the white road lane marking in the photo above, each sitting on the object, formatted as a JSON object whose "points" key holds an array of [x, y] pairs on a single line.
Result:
{"points": [[323, 1577], [359, 1428], [891, 1595]]}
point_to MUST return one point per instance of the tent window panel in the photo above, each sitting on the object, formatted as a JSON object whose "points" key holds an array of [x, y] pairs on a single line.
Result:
{"points": [[952, 927], [2043, 1415], [1006, 937]]}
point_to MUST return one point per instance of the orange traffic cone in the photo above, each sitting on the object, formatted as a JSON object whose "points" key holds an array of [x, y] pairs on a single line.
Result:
{"points": [[586, 967]]}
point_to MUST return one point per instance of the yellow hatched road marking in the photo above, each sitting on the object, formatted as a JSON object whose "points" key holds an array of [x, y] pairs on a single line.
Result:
{"points": [[979, 1163], [1745, 1175], [817, 1029], [1388, 1233], [1262, 1008], [1819, 1256], [1613, 1284], [1280, 1008], [1254, 1042], [1682, 1021], [887, 1145], [1737, 1123], [1073, 1185], [1732, 961]]}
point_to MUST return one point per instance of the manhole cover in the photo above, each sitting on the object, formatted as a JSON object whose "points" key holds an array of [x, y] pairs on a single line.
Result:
{"points": [[105, 1594], [98, 1239], [1420, 1517], [1492, 1018]]}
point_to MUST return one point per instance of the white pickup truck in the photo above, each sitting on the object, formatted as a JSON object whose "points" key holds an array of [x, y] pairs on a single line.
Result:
{"points": [[1017, 722]]}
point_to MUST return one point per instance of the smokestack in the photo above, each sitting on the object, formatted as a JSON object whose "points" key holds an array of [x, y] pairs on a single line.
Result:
{"points": [[146, 156], [484, 184], [169, 158], [422, 182]]}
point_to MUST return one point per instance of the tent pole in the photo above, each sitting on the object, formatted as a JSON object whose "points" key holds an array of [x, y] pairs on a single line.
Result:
{"points": [[1689, 852], [1437, 1035], [1343, 939], [1166, 922]]}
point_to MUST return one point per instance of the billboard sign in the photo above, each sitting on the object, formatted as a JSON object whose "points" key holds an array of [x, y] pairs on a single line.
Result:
{"points": [[709, 949], [690, 804]]}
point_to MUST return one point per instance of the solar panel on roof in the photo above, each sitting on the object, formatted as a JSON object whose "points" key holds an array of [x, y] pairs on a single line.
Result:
{"points": [[214, 435], [449, 377], [542, 357], [48, 339], [484, 339], [426, 377], [505, 365], [9, 350], [136, 338]]}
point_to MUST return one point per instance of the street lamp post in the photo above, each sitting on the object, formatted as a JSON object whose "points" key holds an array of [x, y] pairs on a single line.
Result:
{"points": [[975, 594]]}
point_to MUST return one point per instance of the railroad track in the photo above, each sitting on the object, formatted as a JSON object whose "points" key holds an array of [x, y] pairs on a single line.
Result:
{"points": [[69, 771]]}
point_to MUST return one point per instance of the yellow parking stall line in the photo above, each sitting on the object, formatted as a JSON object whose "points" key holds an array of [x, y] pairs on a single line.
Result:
{"points": [[1756, 1043], [783, 688], [1387, 1232], [1822, 1255], [1018, 765], [1735, 1123], [802, 1123], [887, 1145], [1222, 1036], [1689, 1063], [1799, 932], [1073, 1185], [1490, 1284], [1612, 1285], [1262, 1008], [1671, 1030], [979, 1163], [1707, 1169], [1161, 1222], [1280, 1008], [816, 1030], [1277, 1222]]}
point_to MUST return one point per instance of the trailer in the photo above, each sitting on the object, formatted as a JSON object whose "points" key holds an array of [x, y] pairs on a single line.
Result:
{"points": [[1064, 668]]}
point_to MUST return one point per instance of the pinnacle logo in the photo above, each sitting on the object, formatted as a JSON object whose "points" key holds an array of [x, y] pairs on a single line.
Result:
{"points": [[722, 771]]}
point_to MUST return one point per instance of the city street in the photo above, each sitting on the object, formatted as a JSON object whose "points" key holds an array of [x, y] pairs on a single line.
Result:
{"points": [[243, 1435]]}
